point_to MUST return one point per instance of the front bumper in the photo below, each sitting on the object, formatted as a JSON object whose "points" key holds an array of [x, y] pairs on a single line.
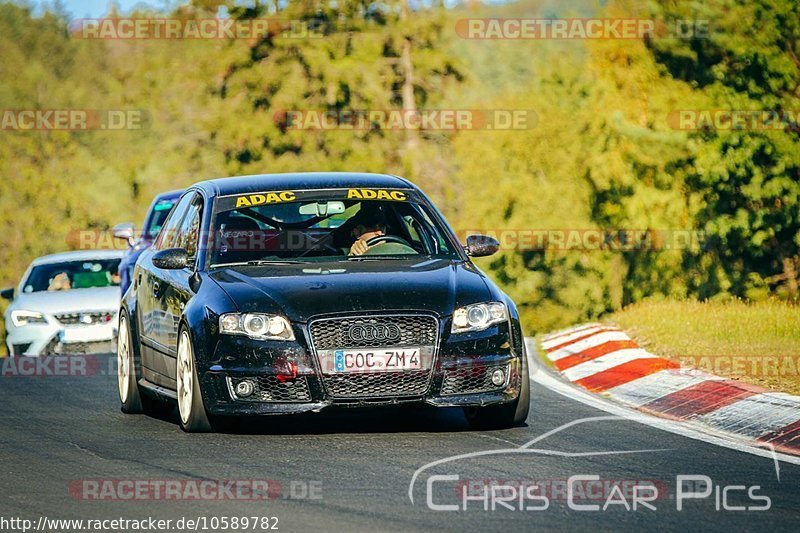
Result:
{"points": [[289, 372], [56, 339]]}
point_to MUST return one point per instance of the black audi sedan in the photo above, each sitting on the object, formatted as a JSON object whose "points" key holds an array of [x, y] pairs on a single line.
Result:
{"points": [[288, 293]]}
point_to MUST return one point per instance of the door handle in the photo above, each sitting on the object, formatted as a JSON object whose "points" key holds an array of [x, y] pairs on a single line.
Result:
{"points": [[156, 286]]}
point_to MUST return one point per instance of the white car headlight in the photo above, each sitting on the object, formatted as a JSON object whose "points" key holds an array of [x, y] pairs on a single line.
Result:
{"points": [[256, 326], [477, 317], [25, 318]]}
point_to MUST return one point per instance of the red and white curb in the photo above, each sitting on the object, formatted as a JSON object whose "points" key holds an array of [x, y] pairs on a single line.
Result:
{"points": [[605, 360]]}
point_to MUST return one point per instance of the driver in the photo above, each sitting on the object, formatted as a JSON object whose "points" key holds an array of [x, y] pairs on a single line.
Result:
{"points": [[368, 223], [60, 282]]}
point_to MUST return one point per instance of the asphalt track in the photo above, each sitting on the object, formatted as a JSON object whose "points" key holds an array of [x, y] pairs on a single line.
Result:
{"points": [[57, 432]]}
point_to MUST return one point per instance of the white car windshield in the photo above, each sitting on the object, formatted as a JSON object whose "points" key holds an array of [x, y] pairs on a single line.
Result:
{"points": [[73, 275]]}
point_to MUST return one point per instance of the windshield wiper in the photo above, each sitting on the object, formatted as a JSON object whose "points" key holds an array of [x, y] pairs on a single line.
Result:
{"points": [[381, 257], [260, 262]]}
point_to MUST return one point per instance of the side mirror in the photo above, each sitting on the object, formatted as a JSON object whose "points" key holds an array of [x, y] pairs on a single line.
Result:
{"points": [[8, 293], [171, 259], [481, 245], [124, 232]]}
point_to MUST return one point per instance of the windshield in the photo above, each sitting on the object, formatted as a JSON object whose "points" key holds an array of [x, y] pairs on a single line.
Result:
{"points": [[73, 275], [157, 217], [329, 229]]}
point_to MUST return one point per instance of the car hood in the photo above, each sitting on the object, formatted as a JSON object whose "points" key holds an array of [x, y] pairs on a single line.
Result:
{"points": [[72, 301], [303, 291]]}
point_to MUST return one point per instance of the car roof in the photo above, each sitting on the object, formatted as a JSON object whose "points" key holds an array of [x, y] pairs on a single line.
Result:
{"points": [[80, 255], [167, 195], [300, 180]]}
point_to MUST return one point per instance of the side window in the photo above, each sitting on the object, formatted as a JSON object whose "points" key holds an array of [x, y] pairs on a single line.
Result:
{"points": [[169, 231], [428, 231], [411, 228], [189, 231], [420, 231]]}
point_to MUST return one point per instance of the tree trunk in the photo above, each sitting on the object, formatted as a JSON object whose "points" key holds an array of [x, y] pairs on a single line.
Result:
{"points": [[409, 105], [407, 65], [790, 275]]}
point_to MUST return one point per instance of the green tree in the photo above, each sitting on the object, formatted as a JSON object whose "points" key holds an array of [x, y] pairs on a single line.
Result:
{"points": [[745, 183]]}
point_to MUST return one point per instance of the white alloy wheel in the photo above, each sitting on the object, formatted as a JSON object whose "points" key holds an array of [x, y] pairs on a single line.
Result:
{"points": [[185, 377], [123, 360]]}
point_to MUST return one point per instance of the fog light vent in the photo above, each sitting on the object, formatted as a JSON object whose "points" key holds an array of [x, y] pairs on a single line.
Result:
{"points": [[498, 377], [245, 388]]}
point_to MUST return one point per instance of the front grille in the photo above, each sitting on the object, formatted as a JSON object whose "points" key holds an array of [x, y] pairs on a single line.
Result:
{"points": [[54, 347], [472, 379], [74, 319], [377, 331], [378, 384], [413, 330], [270, 389]]}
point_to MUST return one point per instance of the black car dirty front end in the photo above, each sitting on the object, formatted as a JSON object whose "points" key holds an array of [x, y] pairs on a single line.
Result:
{"points": [[251, 377], [280, 294]]}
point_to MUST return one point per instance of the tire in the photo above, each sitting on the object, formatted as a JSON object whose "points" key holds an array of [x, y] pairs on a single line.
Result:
{"points": [[127, 384], [504, 415], [524, 401], [192, 412]]}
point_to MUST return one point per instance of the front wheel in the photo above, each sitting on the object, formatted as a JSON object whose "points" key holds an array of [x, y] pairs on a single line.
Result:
{"points": [[194, 418], [127, 386]]}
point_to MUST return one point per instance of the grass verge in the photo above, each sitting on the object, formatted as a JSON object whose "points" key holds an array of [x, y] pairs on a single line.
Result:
{"points": [[753, 342]]}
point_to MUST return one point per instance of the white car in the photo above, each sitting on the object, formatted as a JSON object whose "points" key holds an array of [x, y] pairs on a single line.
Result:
{"points": [[66, 303]]}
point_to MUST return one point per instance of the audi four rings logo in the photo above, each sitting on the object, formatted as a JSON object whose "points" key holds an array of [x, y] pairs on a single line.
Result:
{"points": [[373, 332]]}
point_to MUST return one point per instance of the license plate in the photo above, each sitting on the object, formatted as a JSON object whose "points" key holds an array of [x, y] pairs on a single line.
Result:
{"points": [[98, 332], [377, 360]]}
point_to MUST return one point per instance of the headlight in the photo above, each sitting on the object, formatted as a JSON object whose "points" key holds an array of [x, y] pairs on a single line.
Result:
{"points": [[23, 318], [478, 317], [256, 326]]}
